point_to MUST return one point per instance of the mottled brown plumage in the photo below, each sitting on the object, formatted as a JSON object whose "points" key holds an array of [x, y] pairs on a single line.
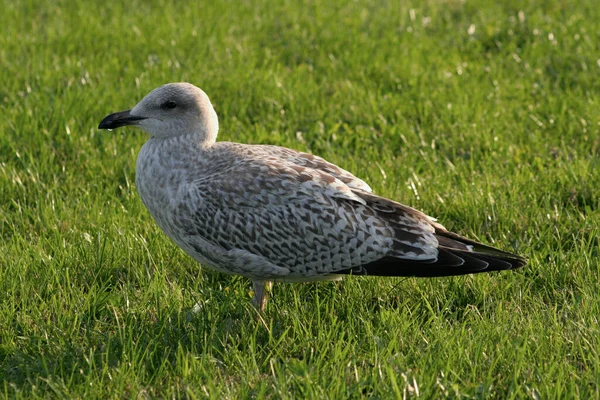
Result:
{"points": [[275, 214]]}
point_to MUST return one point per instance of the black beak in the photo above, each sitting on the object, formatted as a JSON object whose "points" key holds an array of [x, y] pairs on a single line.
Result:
{"points": [[116, 120]]}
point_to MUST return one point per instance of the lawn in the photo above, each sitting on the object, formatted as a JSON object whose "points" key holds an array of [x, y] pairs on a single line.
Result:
{"points": [[483, 114]]}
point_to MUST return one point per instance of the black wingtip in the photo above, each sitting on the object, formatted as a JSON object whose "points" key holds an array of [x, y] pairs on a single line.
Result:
{"points": [[450, 262]]}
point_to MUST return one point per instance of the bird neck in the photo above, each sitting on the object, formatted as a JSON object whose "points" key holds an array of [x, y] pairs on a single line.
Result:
{"points": [[207, 135]]}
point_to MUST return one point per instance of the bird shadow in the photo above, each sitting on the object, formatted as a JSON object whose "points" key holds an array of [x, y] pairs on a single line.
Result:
{"points": [[108, 337]]}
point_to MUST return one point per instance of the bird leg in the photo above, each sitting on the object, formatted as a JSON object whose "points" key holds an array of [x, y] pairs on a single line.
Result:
{"points": [[261, 293]]}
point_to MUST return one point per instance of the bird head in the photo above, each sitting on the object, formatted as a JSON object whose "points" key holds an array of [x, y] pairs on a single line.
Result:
{"points": [[170, 110]]}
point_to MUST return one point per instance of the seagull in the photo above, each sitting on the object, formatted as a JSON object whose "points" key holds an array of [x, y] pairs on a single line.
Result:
{"points": [[273, 214]]}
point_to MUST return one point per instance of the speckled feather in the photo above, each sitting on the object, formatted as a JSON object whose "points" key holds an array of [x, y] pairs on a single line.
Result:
{"points": [[272, 213]]}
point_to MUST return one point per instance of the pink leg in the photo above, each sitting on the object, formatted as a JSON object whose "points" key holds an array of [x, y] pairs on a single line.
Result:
{"points": [[261, 293]]}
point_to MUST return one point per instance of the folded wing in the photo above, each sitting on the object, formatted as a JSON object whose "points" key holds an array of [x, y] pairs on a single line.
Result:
{"points": [[311, 218]]}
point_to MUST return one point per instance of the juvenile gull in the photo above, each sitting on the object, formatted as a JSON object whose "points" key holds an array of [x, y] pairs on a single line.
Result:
{"points": [[275, 214]]}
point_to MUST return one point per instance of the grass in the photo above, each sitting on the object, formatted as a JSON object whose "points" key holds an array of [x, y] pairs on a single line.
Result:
{"points": [[485, 115]]}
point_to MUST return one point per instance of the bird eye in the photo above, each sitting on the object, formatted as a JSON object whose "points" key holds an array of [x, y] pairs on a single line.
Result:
{"points": [[168, 105]]}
